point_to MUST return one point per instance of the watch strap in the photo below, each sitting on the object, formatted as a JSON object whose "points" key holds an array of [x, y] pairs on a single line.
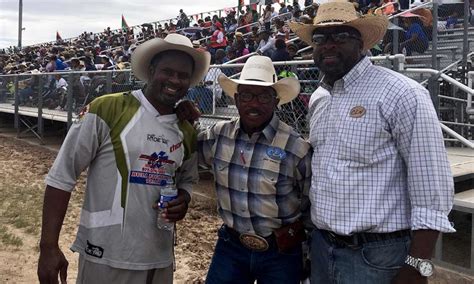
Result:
{"points": [[412, 261]]}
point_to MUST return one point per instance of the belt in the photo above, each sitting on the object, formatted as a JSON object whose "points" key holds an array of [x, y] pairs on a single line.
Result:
{"points": [[358, 239], [251, 241]]}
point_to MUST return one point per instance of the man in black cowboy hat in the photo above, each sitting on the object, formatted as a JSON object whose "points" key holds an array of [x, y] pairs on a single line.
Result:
{"points": [[382, 186], [133, 144]]}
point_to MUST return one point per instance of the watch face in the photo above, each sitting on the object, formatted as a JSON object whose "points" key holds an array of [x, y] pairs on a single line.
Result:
{"points": [[426, 268]]}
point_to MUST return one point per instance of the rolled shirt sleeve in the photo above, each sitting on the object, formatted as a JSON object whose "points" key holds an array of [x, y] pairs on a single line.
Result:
{"points": [[420, 142]]}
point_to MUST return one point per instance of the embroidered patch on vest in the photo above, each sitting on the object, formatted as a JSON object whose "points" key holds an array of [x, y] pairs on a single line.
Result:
{"points": [[357, 111], [276, 153]]}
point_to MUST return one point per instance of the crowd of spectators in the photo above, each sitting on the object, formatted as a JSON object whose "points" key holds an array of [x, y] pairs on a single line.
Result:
{"points": [[236, 34]]}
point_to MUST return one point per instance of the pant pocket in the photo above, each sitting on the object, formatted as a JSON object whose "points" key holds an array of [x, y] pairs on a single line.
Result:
{"points": [[386, 256]]}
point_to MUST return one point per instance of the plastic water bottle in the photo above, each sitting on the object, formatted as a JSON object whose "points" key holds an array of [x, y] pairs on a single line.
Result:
{"points": [[168, 192]]}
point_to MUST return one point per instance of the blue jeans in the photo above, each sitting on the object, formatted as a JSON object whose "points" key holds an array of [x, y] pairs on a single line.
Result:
{"points": [[373, 262], [234, 263]]}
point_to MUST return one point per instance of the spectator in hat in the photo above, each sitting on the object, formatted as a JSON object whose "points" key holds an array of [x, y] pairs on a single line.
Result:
{"points": [[266, 44], [415, 37], [240, 47], [382, 186], [131, 144], [292, 50]]}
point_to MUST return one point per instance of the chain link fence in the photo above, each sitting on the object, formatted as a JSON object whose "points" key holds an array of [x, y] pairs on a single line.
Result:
{"points": [[62, 95]]}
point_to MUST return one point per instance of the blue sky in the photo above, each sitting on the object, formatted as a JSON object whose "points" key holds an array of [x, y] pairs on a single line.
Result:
{"points": [[41, 18]]}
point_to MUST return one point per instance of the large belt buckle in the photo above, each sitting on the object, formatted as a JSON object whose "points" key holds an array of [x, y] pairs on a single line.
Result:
{"points": [[253, 242]]}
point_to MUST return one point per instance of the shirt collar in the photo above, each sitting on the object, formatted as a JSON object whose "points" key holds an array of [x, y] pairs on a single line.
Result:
{"points": [[151, 109], [268, 132], [356, 72]]}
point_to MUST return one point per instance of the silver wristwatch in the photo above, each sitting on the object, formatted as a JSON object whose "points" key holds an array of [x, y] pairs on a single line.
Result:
{"points": [[424, 266]]}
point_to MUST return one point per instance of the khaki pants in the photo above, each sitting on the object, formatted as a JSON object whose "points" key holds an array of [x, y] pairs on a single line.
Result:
{"points": [[91, 273]]}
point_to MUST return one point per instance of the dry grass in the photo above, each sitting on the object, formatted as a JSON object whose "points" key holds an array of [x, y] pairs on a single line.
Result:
{"points": [[8, 238]]}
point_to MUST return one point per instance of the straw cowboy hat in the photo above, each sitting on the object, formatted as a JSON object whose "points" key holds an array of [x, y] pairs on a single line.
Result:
{"points": [[342, 13], [259, 71], [144, 53]]}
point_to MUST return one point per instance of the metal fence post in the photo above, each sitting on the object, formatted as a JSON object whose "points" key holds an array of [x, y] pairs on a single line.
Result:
{"points": [[433, 87], [434, 40], [395, 38], [465, 45], [108, 85], [17, 102], [40, 107], [395, 43], [69, 101]]}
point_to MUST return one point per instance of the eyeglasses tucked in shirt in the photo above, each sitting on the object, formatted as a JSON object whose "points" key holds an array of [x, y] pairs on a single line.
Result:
{"points": [[342, 37], [261, 98]]}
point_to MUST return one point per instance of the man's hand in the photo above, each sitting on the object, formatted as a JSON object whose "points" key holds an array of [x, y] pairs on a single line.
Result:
{"points": [[187, 110], [409, 275], [175, 210], [51, 263]]}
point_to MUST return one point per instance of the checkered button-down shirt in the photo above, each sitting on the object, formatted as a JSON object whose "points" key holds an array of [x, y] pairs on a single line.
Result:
{"points": [[379, 161], [262, 181]]}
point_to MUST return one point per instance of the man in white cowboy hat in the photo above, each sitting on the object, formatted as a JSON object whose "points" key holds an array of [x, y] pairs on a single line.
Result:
{"points": [[262, 175], [132, 144], [381, 188]]}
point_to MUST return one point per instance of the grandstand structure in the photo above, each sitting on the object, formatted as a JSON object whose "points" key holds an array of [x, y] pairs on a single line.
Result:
{"points": [[445, 68]]}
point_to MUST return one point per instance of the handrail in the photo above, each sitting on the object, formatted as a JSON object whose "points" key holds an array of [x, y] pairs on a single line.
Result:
{"points": [[456, 135], [467, 89], [240, 58], [455, 63]]}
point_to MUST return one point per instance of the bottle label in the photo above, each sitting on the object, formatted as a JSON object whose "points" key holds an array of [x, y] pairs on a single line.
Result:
{"points": [[166, 198]]}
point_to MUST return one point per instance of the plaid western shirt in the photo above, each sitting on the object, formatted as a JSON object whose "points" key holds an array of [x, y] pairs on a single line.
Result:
{"points": [[262, 181], [379, 161]]}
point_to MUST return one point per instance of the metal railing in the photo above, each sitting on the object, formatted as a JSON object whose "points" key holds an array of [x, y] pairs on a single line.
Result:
{"points": [[34, 96]]}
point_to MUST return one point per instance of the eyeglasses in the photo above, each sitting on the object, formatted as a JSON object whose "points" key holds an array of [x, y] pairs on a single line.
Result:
{"points": [[342, 37], [264, 98]]}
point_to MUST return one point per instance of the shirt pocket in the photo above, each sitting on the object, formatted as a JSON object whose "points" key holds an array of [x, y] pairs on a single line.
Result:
{"points": [[221, 172], [358, 142], [269, 175]]}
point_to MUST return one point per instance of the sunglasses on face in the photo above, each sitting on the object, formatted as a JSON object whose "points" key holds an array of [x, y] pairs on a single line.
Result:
{"points": [[341, 37], [261, 98]]}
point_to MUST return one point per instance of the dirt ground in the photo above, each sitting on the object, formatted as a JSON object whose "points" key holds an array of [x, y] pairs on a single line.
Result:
{"points": [[23, 168]]}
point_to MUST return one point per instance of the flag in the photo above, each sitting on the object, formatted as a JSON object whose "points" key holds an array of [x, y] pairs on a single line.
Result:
{"points": [[58, 36], [124, 24]]}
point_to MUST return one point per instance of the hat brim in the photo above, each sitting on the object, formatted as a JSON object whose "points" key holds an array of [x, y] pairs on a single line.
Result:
{"points": [[371, 27], [287, 88], [144, 53]]}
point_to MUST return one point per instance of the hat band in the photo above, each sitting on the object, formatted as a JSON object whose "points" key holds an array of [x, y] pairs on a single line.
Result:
{"points": [[333, 21]]}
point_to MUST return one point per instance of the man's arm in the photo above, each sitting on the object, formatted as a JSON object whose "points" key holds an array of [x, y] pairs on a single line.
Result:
{"points": [[52, 260], [429, 180], [422, 246]]}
